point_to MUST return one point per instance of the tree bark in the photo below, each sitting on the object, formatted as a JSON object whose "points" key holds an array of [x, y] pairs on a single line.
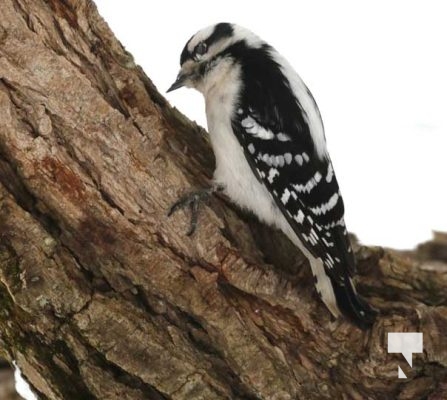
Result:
{"points": [[103, 297]]}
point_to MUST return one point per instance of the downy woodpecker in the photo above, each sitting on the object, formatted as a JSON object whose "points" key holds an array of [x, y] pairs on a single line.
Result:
{"points": [[271, 157]]}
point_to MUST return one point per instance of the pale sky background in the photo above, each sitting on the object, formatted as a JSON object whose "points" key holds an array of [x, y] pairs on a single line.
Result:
{"points": [[377, 70]]}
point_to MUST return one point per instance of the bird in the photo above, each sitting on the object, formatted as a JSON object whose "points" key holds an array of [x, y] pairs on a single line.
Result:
{"points": [[269, 143]]}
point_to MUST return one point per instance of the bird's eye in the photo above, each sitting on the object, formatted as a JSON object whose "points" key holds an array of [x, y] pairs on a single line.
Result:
{"points": [[200, 49]]}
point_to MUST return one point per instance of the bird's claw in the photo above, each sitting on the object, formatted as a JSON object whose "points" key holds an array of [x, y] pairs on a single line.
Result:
{"points": [[193, 200]]}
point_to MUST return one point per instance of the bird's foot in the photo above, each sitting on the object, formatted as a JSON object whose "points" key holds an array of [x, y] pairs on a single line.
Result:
{"points": [[193, 200]]}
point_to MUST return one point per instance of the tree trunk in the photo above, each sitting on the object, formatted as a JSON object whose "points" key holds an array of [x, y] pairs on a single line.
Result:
{"points": [[103, 297]]}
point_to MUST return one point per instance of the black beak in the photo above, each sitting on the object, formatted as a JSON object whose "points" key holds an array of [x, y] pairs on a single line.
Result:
{"points": [[180, 81]]}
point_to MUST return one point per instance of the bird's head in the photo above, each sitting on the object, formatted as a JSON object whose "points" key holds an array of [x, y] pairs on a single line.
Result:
{"points": [[206, 58]]}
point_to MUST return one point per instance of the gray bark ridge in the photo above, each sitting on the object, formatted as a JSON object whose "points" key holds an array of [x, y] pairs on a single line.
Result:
{"points": [[103, 297]]}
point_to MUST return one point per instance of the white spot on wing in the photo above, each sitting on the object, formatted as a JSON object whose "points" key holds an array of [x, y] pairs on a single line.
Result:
{"points": [[280, 161], [272, 173], [248, 123], [309, 185], [253, 128], [325, 207], [285, 196], [251, 148], [299, 159], [313, 237], [288, 158], [333, 224], [299, 217], [282, 137], [327, 243]]}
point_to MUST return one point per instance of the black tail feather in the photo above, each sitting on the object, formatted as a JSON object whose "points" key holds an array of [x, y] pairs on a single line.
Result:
{"points": [[353, 306]]}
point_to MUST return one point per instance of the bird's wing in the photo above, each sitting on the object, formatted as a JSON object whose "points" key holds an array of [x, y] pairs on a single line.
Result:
{"points": [[272, 128]]}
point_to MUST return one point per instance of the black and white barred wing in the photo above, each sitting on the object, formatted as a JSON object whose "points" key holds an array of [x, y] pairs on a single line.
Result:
{"points": [[303, 185], [279, 126]]}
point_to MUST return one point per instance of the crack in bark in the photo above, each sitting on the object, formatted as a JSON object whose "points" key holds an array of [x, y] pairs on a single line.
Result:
{"points": [[44, 351], [125, 378], [25, 199], [190, 261], [106, 86], [190, 324]]}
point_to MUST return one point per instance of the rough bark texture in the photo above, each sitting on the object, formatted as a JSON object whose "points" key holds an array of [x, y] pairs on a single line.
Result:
{"points": [[103, 297]]}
